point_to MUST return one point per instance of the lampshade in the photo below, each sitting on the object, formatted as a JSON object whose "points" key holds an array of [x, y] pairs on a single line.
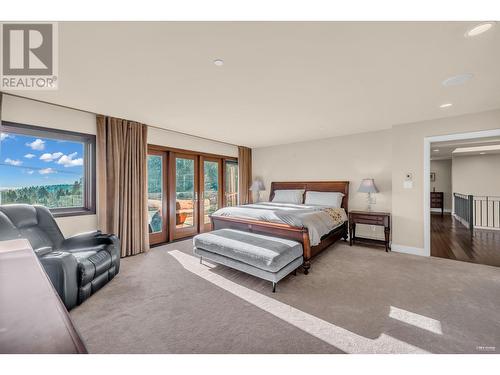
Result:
{"points": [[367, 186], [257, 185]]}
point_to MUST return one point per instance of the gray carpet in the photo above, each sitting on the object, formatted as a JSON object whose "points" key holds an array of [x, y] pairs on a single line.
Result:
{"points": [[355, 300]]}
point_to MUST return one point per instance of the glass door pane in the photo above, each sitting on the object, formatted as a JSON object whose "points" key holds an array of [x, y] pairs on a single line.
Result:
{"points": [[185, 195], [184, 192], [156, 197], [211, 190], [231, 183]]}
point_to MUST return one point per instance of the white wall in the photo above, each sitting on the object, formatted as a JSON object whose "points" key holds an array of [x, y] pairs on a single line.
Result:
{"points": [[165, 138], [476, 174], [39, 114], [349, 158], [386, 156], [442, 169]]}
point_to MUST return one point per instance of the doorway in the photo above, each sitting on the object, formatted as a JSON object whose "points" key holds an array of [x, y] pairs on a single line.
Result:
{"points": [[462, 197], [184, 189]]}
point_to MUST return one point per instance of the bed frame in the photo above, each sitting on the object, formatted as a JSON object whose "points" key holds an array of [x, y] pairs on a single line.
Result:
{"points": [[287, 231]]}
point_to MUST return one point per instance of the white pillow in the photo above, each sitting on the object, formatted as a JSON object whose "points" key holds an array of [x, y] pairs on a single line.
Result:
{"points": [[288, 196], [323, 198]]}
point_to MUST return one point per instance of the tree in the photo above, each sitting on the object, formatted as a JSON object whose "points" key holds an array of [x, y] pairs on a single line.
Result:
{"points": [[60, 193], [43, 194], [76, 188]]}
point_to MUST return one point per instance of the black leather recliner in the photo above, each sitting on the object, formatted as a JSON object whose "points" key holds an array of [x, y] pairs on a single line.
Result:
{"points": [[78, 266]]}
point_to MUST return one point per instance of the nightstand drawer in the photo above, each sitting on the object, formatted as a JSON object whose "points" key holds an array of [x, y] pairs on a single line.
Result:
{"points": [[367, 219]]}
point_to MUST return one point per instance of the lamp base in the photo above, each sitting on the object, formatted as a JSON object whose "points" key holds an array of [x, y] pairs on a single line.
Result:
{"points": [[369, 202]]}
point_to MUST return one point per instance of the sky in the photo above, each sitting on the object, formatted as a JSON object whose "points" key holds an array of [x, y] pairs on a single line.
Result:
{"points": [[35, 161]]}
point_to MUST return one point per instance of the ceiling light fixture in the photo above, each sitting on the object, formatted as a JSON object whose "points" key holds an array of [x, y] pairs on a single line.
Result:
{"points": [[446, 105], [436, 150], [459, 79], [218, 62], [479, 29], [482, 153]]}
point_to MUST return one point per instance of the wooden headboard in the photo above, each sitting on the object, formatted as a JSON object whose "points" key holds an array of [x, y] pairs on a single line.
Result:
{"points": [[333, 186]]}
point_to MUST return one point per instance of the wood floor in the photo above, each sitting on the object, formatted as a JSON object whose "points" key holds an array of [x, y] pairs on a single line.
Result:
{"points": [[450, 239]]}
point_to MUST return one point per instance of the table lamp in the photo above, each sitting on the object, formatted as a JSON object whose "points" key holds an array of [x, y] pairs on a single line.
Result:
{"points": [[368, 186]]}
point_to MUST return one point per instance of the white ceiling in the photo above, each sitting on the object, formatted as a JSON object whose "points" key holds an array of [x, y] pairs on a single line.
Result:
{"points": [[444, 150], [281, 82]]}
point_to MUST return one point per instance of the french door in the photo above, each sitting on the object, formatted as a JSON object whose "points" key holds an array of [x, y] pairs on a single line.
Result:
{"points": [[184, 189], [184, 193], [210, 190], [157, 197]]}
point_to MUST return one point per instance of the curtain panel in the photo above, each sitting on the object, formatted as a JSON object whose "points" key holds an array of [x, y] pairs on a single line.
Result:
{"points": [[245, 174], [122, 182]]}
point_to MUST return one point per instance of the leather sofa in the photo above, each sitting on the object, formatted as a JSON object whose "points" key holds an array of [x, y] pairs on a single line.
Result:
{"points": [[78, 266]]}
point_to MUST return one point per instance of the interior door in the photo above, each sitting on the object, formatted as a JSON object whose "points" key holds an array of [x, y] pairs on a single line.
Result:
{"points": [[157, 196], [184, 192], [210, 190]]}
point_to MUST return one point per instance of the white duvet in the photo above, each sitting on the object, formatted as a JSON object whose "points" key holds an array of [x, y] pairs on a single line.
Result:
{"points": [[315, 218]]}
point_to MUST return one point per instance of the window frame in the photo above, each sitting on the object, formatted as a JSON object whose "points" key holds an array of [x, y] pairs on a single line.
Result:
{"points": [[89, 161]]}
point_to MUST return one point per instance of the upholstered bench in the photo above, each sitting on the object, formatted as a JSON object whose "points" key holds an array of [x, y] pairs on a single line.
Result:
{"points": [[269, 258]]}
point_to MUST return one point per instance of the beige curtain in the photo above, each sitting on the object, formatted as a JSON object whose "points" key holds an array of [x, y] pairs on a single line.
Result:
{"points": [[1, 98], [245, 174], [121, 159]]}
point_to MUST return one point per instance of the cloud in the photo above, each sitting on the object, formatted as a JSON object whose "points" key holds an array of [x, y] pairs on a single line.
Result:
{"points": [[68, 161], [30, 171], [51, 157], [29, 156], [13, 162], [37, 144], [47, 171], [4, 136]]}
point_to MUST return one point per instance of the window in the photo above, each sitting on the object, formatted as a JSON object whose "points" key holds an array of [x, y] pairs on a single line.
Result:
{"points": [[53, 168]]}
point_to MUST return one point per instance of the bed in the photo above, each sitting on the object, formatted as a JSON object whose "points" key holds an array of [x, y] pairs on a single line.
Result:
{"points": [[266, 224]]}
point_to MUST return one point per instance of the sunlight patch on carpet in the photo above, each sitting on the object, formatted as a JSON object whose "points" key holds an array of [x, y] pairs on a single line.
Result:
{"points": [[417, 320], [336, 336]]}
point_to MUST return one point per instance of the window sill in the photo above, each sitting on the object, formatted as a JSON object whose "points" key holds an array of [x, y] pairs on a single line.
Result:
{"points": [[57, 213]]}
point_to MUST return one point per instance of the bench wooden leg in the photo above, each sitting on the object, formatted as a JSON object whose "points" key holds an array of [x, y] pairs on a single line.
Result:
{"points": [[274, 287], [295, 272]]}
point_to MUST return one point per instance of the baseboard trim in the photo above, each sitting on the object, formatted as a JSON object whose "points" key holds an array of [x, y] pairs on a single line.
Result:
{"points": [[447, 210], [408, 250]]}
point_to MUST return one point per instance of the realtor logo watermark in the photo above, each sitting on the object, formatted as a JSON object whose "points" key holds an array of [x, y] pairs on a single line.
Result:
{"points": [[29, 56]]}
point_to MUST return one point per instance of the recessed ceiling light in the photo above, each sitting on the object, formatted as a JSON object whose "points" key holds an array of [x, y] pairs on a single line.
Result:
{"points": [[218, 62], [436, 150], [457, 80], [446, 105], [479, 29], [482, 153]]}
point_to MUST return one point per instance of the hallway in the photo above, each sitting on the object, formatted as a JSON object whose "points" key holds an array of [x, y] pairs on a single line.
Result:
{"points": [[450, 239]]}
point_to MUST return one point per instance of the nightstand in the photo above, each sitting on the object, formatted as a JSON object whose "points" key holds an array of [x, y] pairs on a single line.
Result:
{"points": [[370, 218]]}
